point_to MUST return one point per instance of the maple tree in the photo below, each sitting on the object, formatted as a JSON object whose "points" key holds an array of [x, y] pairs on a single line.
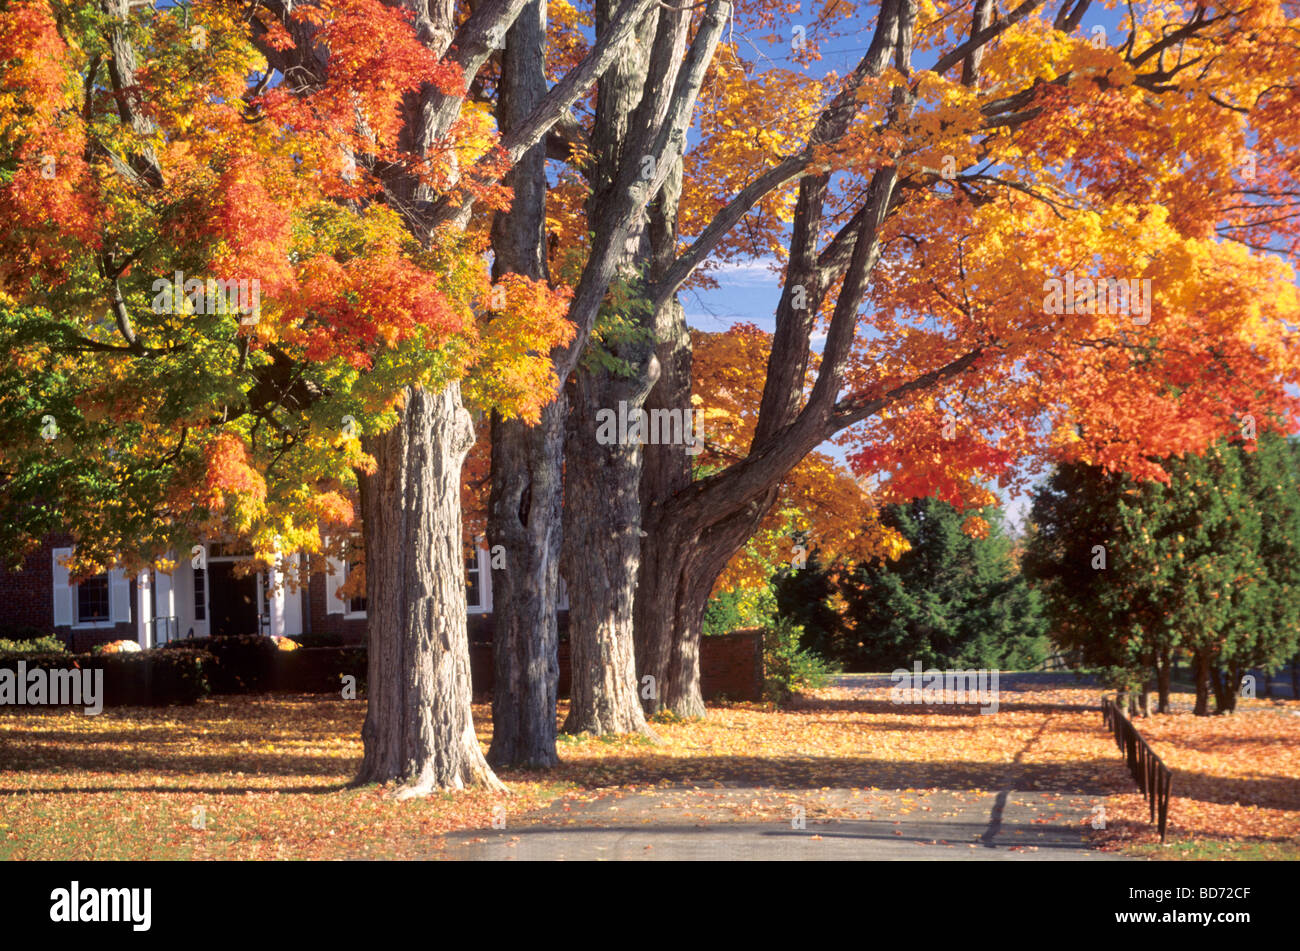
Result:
{"points": [[966, 163], [350, 155], [327, 159]]}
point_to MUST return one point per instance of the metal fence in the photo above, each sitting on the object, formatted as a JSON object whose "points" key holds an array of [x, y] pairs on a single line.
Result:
{"points": [[1153, 777]]}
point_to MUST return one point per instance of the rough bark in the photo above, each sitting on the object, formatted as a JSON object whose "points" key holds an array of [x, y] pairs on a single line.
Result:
{"points": [[525, 518], [602, 544], [602, 516], [666, 470], [694, 530], [527, 461], [419, 730], [1162, 683], [1227, 684]]}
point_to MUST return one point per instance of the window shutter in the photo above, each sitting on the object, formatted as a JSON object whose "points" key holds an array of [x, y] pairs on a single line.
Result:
{"points": [[338, 574], [485, 578], [119, 596], [62, 591], [164, 604]]}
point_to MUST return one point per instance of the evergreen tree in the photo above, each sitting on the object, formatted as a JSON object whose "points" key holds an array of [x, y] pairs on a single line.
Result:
{"points": [[953, 600], [1135, 572], [803, 596]]}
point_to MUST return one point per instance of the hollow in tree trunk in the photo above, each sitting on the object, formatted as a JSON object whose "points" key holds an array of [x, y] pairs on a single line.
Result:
{"points": [[419, 729]]}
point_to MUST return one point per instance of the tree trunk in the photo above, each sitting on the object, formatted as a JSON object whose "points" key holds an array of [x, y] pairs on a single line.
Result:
{"points": [[1202, 708], [602, 546], [1162, 683], [1227, 687], [665, 471], [1223, 695], [524, 517], [419, 728], [602, 512], [527, 461], [1295, 677], [681, 565]]}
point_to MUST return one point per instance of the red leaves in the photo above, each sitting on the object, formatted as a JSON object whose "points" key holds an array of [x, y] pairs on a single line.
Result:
{"points": [[374, 59], [49, 194], [348, 309], [228, 471]]}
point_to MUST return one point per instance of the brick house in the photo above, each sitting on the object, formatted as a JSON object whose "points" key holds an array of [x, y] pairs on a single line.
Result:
{"points": [[154, 607]]}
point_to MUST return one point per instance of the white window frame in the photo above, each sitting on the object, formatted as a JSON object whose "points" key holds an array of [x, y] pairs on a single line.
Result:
{"points": [[119, 596], [335, 577], [483, 569], [76, 603]]}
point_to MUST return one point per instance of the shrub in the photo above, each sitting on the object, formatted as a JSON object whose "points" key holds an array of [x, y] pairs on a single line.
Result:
{"points": [[23, 632], [156, 677], [253, 663], [42, 644], [143, 678], [786, 666], [245, 663]]}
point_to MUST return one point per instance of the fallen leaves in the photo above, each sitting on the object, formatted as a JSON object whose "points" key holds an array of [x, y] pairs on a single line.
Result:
{"points": [[270, 776]]}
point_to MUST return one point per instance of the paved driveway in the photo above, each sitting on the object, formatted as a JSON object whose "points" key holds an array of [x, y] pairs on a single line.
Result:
{"points": [[684, 823]]}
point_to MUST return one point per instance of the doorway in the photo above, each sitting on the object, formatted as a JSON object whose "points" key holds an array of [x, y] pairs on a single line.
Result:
{"points": [[232, 601]]}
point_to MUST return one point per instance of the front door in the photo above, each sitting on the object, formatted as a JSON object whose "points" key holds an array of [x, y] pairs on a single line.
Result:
{"points": [[231, 600]]}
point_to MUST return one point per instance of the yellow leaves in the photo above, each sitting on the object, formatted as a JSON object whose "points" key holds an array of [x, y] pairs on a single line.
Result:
{"points": [[513, 372]]}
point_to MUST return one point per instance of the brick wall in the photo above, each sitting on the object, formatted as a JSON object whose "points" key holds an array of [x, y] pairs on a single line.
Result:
{"points": [[731, 667], [27, 600], [27, 595], [320, 623]]}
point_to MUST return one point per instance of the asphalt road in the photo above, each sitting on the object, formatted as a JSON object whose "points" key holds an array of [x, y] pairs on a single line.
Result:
{"points": [[716, 823]]}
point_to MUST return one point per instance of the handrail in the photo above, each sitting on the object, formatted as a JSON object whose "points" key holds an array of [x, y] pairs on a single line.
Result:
{"points": [[1153, 777]]}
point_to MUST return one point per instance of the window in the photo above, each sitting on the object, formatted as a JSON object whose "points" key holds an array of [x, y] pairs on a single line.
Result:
{"points": [[92, 600], [200, 594], [356, 605], [473, 582]]}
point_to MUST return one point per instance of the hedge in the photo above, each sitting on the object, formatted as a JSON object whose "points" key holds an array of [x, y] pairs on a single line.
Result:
{"points": [[251, 663], [148, 678]]}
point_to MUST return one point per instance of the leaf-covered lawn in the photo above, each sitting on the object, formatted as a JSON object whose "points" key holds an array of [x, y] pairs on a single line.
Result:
{"points": [[270, 774], [1236, 786]]}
